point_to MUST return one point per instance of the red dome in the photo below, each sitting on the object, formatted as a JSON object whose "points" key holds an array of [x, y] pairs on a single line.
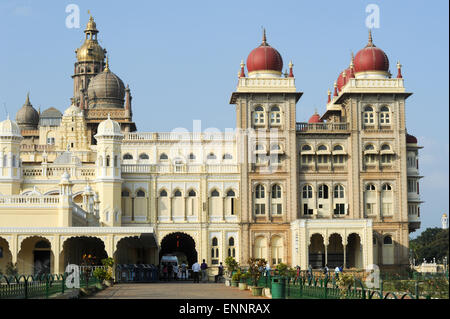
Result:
{"points": [[411, 139], [340, 81], [315, 118], [264, 57], [371, 58]]}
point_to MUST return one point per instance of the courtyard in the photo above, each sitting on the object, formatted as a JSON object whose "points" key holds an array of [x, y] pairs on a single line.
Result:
{"points": [[173, 290]]}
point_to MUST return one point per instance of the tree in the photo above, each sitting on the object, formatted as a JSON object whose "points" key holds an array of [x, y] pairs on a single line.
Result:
{"points": [[432, 243]]}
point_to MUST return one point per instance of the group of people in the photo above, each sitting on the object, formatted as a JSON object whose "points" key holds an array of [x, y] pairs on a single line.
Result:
{"points": [[171, 271]]}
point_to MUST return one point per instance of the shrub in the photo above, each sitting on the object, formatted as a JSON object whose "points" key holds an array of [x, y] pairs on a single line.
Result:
{"points": [[256, 268], [102, 274], [236, 276], [232, 264]]}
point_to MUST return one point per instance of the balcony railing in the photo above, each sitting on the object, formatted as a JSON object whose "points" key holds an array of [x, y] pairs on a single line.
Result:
{"points": [[182, 168], [304, 127], [179, 136], [26, 200]]}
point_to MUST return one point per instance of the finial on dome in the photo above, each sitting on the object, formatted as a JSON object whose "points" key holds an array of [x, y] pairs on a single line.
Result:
{"points": [[335, 89], [109, 117], [329, 96], [291, 72], [242, 72], [106, 65], [27, 101], [370, 43], [264, 41], [399, 70]]}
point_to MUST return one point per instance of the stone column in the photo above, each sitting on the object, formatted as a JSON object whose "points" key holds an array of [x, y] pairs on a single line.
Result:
{"points": [[170, 207], [223, 207], [56, 249]]}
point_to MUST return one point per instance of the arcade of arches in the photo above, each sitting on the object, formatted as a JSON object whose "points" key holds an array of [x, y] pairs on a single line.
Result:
{"points": [[181, 245]]}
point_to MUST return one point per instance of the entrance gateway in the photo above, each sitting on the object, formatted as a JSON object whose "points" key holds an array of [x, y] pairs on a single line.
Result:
{"points": [[181, 245]]}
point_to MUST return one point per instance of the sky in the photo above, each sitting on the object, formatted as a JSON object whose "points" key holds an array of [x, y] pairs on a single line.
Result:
{"points": [[181, 59]]}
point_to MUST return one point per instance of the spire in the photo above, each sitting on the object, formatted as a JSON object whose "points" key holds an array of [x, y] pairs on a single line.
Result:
{"points": [[106, 65], [352, 67], [242, 72], [399, 70], [27, 101], [329, 96], [264, 40], [344, 77], [335, 89], [370, 43], [291, 73]]}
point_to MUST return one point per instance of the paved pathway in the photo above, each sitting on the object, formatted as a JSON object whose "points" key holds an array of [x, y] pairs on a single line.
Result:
{"points": [[175, 290]]}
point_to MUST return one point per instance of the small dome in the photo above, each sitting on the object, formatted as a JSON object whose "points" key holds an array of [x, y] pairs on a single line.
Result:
{"points": [[9, 128], [411, 139], [73, 110], [371, 59], [315, 118], [106, 90], [264, 60], [51, 113], [27, 117], [340, 81], [109, 127], [65, 177]]}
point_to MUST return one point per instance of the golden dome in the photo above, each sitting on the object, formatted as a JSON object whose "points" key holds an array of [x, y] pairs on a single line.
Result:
{"points": [[90, 50]]}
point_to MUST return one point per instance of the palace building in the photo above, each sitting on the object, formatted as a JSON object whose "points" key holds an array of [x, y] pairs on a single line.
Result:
{"points": [[340, 189]]}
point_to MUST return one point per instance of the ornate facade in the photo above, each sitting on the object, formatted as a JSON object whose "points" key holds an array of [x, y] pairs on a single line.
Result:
{"points": [[341, 189]]}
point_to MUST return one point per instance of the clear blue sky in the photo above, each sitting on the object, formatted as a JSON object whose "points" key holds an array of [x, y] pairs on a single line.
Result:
{"points": [[181, 60]]}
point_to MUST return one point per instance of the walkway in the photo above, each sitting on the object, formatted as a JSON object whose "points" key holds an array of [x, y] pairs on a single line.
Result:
{"points": [[174, 290]]}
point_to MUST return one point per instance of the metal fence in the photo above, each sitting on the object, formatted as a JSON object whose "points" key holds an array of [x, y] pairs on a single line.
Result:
{"points": [[38, 286]]}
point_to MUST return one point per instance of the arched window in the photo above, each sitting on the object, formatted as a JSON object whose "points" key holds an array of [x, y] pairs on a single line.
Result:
{"points": [[43, 244], [260, 204], [231, 193], [260, 248], [275, 147], [260, 191], [387, 240], [227, 156], [258, 118], [231, 248], [386, 200], [368, 115], [370, 199], [211, 156], [215, 193], [388, 250], [177, 193], [192, 156], [338, 148], [116, 161], [307, 191], [306, 148], [140, 193], [214, 251], [322, 148], [143, 156], [230, 202], [277, 204], [369, 147], [163, 157], [277, 250], [125, 193], [192, 193], [163, 193], [338, 191], [323, 191], [385, 115], [275, 115], [128, 156], [108, 161]]}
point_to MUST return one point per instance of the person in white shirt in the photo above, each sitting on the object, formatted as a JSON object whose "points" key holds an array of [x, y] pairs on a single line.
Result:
{"points": [[195, 271]]}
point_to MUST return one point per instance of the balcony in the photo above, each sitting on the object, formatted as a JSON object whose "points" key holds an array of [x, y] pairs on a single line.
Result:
{"points": [[303, 127]]}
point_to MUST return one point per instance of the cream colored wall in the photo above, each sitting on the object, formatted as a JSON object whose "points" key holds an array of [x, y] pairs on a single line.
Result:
{"points": [[31, 217]]}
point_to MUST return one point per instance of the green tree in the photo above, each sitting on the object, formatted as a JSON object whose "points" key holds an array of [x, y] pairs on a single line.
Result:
{"points": [[431, 243]]}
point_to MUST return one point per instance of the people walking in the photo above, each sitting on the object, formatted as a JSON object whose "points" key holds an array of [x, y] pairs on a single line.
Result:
{"points": [[336, 272], [165, 272], [183, 271], [219, 273], [195, 271], [175, 271], [203, 267], [170, 271], [267, 273]]}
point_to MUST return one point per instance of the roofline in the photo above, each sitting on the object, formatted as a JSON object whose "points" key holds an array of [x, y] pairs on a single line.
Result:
{"points": [[234, 95]]}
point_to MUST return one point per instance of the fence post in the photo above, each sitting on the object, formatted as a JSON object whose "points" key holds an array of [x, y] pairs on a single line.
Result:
{"points": [[416, 289], [381, 288], [47, 286], [26, 288], [63, 284]]}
